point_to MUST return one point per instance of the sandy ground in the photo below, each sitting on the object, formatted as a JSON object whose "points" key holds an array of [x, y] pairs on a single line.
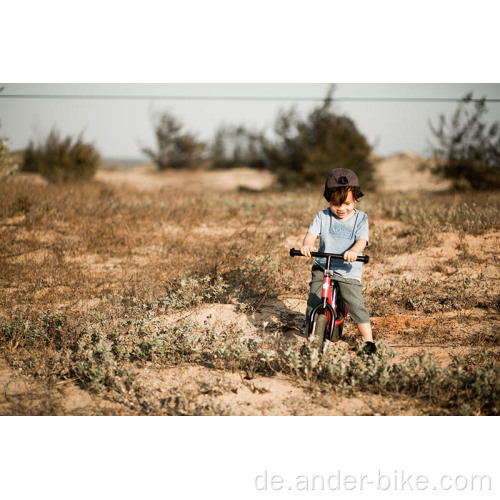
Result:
{"points": [[146, 177], [194, 387]]}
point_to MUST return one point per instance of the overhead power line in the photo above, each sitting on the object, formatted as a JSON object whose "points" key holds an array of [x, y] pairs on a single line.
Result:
{"points": [[235, 98]]}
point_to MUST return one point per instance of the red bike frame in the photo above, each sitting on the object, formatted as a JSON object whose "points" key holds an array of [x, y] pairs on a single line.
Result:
{"points": [[330, 294]]}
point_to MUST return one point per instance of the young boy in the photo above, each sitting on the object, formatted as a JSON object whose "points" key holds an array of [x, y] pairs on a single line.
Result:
{"points": [[342, 230]]}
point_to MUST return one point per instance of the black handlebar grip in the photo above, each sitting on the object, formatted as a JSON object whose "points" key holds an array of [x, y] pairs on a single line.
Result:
{"points": [[296, 253]]}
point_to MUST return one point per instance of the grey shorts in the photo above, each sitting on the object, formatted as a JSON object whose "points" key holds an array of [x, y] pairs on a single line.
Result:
{"points": [[350, 290]]}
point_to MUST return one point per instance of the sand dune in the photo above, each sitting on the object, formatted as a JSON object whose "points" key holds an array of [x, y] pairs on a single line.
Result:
{"points": [[405, 172], [401, 172]]}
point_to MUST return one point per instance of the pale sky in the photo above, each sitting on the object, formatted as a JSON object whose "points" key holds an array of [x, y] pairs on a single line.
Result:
{"points": [[224, 40], [120, 128]]}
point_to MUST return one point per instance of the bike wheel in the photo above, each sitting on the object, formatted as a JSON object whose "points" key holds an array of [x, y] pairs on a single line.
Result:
{"points": [[337, 332], [320, 332]]}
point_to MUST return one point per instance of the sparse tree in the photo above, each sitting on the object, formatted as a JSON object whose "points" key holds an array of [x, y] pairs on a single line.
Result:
{"points": [[306, 150], [468, 149], [175, 149], [236, 146]]}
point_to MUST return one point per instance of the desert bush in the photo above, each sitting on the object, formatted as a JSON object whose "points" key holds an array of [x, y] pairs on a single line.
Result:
{"points": [[7, 165], [32, 158], [95, 364], [236, 146], [302, 150], [468, 150], [104, 361], [306, 150], [175, 149], [61, 160], [49, 328], [192, 291]]}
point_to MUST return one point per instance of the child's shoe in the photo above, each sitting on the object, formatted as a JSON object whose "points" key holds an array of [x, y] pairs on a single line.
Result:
{"points": [[369, 347]]}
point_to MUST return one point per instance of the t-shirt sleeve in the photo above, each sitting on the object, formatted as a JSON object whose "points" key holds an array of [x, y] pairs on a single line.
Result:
{"points": [[315, 227], [362, 229]]}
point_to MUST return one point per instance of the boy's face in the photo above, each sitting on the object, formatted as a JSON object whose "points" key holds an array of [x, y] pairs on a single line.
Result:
{"points": [[345, 210]]}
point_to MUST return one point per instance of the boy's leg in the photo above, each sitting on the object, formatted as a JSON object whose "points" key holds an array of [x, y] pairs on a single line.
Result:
{"points": [[316, 288], [354, 302], [366, 331]]}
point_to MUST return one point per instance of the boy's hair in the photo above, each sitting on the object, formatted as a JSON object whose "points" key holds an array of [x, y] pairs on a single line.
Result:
{"points": [[342, 178], [338, 195]]}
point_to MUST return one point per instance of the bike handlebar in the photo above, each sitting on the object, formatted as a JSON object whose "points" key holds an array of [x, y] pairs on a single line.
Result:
{"points": [[296, 253]]}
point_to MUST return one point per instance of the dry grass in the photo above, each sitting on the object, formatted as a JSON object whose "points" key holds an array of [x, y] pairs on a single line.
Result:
{"points": [[102, 283]]}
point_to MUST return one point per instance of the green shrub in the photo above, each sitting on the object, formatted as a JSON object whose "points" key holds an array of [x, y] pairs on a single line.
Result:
{"points": [[468, 150], [175, 149], [31, 158], [303, 150], [61, 160], [108, 361], [236, 146], [7, 164], [306, 150]]}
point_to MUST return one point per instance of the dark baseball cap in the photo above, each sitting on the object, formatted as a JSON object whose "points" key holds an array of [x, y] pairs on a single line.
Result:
{"points": [[340, 177]]}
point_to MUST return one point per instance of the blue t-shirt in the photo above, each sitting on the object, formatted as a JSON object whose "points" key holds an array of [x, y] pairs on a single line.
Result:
{"points": [[338, 236]]}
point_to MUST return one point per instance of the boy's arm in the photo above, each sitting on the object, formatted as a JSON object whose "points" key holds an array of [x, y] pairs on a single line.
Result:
{"points": [[355, 250], [308, 244]]}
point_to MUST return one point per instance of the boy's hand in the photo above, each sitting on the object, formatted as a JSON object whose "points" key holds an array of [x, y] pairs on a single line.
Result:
{"points": [[307, 249], [350, 256]]}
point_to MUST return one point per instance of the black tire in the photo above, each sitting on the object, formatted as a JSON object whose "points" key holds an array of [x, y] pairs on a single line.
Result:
{"points": [[319, 334], [337, 332]]}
